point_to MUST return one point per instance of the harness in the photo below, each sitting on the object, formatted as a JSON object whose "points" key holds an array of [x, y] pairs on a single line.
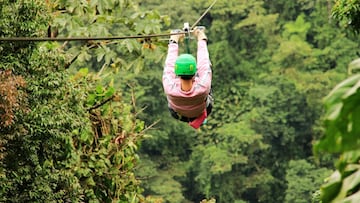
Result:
{"points": [[178, 116], [209, 101]]}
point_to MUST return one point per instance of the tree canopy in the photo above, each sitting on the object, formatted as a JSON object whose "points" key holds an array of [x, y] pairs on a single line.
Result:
{"points": [[87, 121]]}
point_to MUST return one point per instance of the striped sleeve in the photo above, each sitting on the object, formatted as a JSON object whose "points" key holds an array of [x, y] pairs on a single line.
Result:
{"points": [[169, 74], [204, 65]]}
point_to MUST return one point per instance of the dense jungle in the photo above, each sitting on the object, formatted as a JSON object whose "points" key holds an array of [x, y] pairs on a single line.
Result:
{"points": [[87, 120]]}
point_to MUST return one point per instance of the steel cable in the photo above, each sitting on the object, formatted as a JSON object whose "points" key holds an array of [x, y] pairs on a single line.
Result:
{"points": [[39, 39]]}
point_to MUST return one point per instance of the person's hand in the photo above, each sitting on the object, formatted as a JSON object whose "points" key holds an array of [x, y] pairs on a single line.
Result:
{"points": [[178, 37], [199, 33]]}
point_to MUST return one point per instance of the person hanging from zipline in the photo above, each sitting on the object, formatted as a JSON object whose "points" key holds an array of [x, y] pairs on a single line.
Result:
{"points": [[187, 81]]}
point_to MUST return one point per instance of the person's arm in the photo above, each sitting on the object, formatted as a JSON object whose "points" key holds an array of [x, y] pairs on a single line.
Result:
{"points": [[203, 60], [169, 73], [203, 64], [169, 69]]}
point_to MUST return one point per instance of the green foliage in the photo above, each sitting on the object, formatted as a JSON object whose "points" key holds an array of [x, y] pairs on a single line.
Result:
{"points": [[109, 150], [106, 18], [342, 185], [303, 179], [82, 135], [24, 19], [284, 121], [299, 28], [168, 188], [272, 64], [294, 50], [354, 66], [20, 19], [219, 162], [162, 181], [316, 197], [74, 138], [348, 13], [39, 153], [341, 117], [340, 123], [208, 201]]}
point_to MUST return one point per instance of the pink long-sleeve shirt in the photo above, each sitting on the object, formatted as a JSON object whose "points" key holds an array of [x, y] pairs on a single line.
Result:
{"points": [[188, 103]]}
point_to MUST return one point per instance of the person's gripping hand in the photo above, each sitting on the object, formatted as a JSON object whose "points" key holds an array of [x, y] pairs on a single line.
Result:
{"points": [[199, 33], [176, 38]]}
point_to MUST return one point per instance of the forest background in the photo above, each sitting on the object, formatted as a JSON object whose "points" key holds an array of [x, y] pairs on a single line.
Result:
{"points": [[88, 120]]}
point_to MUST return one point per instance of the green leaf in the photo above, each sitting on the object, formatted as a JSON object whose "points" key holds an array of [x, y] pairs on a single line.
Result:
{"points": [[330, 189], [334, 111], [90, 181], [354, 66], [127, 43], [110, 92], [300, 27], [84, 136], [91, 99], [99, 89], [351, 91], [83, 71], [354, 198], [346, 84], [348, 184], [100, 56]]}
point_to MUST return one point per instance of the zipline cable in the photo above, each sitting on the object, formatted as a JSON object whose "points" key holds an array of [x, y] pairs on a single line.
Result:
{"points": [[202, 16], [41, 39], [84, 38]]}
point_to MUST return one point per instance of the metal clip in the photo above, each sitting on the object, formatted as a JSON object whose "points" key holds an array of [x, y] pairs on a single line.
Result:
{"points": [[186, 27]]}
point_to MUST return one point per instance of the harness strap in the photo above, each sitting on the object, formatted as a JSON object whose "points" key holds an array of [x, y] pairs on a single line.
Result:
{"points": [[209, 101], [177, 116]]}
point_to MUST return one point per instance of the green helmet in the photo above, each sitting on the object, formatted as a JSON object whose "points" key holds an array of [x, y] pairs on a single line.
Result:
{"points": [[185, 64]]}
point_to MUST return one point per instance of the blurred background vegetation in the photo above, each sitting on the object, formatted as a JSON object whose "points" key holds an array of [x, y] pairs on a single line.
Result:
{"points": [[87, 121]]}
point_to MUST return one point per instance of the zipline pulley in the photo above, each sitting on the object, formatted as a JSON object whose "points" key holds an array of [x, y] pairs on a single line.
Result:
{"points": [[186, 29]]}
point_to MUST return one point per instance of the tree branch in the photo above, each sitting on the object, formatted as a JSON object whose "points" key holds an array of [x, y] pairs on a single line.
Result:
{"points": [[101, 103]]}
